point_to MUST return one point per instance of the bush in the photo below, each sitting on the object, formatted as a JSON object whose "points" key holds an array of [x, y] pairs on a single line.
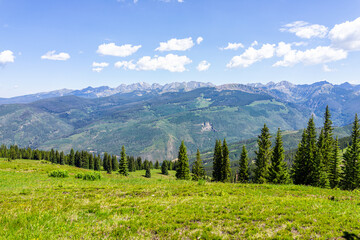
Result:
{"points": [[59, 174], [92, 176], [79, 175], [45, 162]]}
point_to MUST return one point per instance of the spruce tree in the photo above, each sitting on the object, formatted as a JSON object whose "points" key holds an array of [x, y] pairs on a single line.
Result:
{"points": [[350, 175], [97, 163], [62, 158], [139, 163], [91, 162], [310, 156], [164, 168], [198, 171], [183, 171], [328, 144], [114, 163], [71, 161], [147, 171], [157, 164], [217, 161], [225, 164], [320, 171], [77, 159], [243, 176], [278, 173], [123, 166], [263, 156]]}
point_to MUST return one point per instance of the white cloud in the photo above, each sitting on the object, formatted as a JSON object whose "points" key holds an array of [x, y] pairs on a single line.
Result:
{"points": [[180, 1], [233, 46], [318, 55], [129, 65], [327, 69], [135, 1], [111, 49], [51, 55], [199, 40], [305, 30], [170, 62], [254, 43], [98, 67], [6, 56], [176, 45], [251, 55], [101, 64], [346, 35], [203, 66]]}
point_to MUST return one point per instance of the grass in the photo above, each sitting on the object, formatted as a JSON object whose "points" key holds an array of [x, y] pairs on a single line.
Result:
{"points": [[35, 206]]}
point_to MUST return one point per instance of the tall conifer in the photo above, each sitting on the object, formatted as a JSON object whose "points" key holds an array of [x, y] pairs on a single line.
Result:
{"points": [[350, 176], [123, 166], [198, 169], [217, 161], [182, 170], [278, 173], [243, 176], [263, 156], [225, 163]]}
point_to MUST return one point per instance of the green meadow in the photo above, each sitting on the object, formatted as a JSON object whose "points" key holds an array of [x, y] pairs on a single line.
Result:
{"points": [[36, 206]]}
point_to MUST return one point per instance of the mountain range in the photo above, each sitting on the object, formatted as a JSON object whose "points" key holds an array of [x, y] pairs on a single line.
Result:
{"points": [[151, 120]]}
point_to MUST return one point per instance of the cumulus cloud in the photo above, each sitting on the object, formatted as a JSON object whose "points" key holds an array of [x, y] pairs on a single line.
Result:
{"points": [[254, 43], [346, 35], [233, 46], [52, 55], [6, 56], [305, 30], [176, 45], [98, 67], [111, 49], [170, 62], [252, 55], [203, 66], [199, 40], [318, 55]]}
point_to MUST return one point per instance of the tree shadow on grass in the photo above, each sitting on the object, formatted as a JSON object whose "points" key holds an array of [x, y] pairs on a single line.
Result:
{"points": [[350, 236]]}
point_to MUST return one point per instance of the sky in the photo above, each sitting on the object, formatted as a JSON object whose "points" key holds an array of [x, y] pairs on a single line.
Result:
{"points": [[48, 45]]}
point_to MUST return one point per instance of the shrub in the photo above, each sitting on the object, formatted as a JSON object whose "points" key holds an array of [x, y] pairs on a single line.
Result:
{"points": [[79, 175], [91, 176], [59, 174]]}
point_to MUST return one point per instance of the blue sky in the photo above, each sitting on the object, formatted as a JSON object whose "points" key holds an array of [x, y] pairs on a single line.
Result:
{"points": [[47, 45]]}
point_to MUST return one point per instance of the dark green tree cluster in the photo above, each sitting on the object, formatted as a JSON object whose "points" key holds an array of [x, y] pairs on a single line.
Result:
{"points": [[221, 162], [165, 167], [316, 161]]}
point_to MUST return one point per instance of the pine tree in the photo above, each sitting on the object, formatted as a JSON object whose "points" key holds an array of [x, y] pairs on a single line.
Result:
{"points": [[198, 171], [97, 163], [139, 163], [263, 156], [320, 171], [71, 161], [114, 163], [157, 164], [147, 171], [278, 173], [328, 144], [123, 166], [57, 157], [217, 161], [183, 171], [62, 158], [225, 166], [77, 160], [243, 176], [310, 154], [350, 176], [164, 168], [91, 162]]}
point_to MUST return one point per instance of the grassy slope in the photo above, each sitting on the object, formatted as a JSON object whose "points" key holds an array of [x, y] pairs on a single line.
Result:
{"points": [[35, 206]]}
